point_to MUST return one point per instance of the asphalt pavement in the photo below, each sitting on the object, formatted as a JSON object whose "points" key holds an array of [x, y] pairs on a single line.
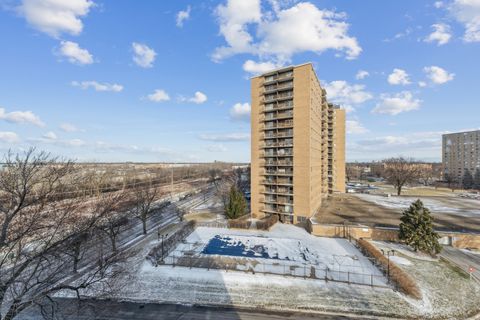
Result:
{"points": [[72, 309], [463, 259]]}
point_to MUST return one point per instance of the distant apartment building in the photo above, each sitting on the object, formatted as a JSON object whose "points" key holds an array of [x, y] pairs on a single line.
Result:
{"points": [[460, 152], [298, 144]]}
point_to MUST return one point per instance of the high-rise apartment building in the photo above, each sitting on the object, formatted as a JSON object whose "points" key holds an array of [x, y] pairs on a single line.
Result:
{"points": [[460, 152], [298, 144]]}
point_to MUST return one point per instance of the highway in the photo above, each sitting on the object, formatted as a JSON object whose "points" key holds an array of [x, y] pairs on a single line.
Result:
{"points": [[463, 259]]}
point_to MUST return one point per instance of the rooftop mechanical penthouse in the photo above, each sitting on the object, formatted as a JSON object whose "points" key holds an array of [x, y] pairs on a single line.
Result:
{"points": [[298, 144]]}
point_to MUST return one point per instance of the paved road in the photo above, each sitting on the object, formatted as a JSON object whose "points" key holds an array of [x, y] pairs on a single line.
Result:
{"points": [[108, 310], [463, 259]]}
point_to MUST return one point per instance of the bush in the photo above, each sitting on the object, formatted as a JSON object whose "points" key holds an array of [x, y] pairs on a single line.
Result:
{"points": [[402, 279], [267, 223], [239, 224]]}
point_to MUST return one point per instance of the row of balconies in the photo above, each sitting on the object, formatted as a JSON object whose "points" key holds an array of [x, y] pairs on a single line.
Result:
{"points": [[271, 208], [278, 153], [279, 124], [279, 105], [278, 115], [279, 86], [279, 163], [278, 77], [281, 144], [280, 172], [277, 96], [279, 134], [279, 181], [279, 190]]}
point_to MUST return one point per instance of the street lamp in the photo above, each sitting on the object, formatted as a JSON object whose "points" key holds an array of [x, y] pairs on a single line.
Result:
{"points": [[163, 236], [388, 253]]}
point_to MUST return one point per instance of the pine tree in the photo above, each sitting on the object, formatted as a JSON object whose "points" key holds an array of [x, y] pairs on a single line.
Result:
{"points": [[237, 205], [416, 229], [476, 180], [467, 180]]}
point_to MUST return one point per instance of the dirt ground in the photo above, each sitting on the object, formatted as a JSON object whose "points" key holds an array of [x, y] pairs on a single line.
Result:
{"points": [[341, 207]]}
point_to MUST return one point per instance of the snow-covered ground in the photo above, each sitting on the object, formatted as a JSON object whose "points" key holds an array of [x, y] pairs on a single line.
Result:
{"points": [[472, 207], [447, 294]]}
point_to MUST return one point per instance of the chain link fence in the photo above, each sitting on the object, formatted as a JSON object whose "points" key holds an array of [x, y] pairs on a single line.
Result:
{"points": [[190, 259]]}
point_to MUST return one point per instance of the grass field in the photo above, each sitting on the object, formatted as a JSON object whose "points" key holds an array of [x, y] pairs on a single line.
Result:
{"points": [[450, 212]]}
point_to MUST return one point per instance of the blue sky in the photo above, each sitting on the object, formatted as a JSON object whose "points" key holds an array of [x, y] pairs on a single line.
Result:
{"points": [[124, 80]]}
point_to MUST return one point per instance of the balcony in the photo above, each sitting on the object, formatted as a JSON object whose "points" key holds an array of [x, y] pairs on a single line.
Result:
{"points": [[279, 125], [286, 182], [283, 144]]}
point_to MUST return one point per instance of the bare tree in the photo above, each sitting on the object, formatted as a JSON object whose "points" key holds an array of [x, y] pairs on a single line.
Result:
{"points": [[35, 230], [113, 215], [143, 201], [426, 174], [451, 181], [400, 171]]}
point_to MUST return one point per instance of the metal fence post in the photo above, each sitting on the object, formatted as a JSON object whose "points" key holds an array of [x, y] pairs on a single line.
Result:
{"points": [[348, 277], [371, 279]]}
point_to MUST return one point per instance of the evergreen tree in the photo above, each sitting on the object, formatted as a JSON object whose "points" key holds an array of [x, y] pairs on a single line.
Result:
{"points": [[416, 229], [237, 205], [476, 180], [467, 180]]}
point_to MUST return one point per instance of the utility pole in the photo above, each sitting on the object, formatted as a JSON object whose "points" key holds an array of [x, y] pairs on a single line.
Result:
{"points": [[171, 184]]}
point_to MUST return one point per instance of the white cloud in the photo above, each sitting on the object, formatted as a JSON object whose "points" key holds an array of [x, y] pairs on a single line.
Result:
{"points": [[255, 68], [98, 86], [226, 137], [421, 145], [158, 96], [72, 143], [438, 75], [198, 98], [182, 16], [346, 95], [467, 12], [9, 137], [398, 77], [217, 148], [50, 135], [55, 17], [422, 84], [21, 117], [282, 33], [240, 112], [143, 56], [51, 139], [438, 4], [355, 127], [361, 74], [68, 127], [75, 54], [397, 103], [441, 34]]}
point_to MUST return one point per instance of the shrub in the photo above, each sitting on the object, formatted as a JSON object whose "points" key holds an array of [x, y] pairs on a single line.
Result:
{"points": [[267, 223], [401, 278], [239, 224]]}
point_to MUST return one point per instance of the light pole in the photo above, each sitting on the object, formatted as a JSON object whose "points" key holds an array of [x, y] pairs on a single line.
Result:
{"points": [[388, 253], [163, 236]]}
